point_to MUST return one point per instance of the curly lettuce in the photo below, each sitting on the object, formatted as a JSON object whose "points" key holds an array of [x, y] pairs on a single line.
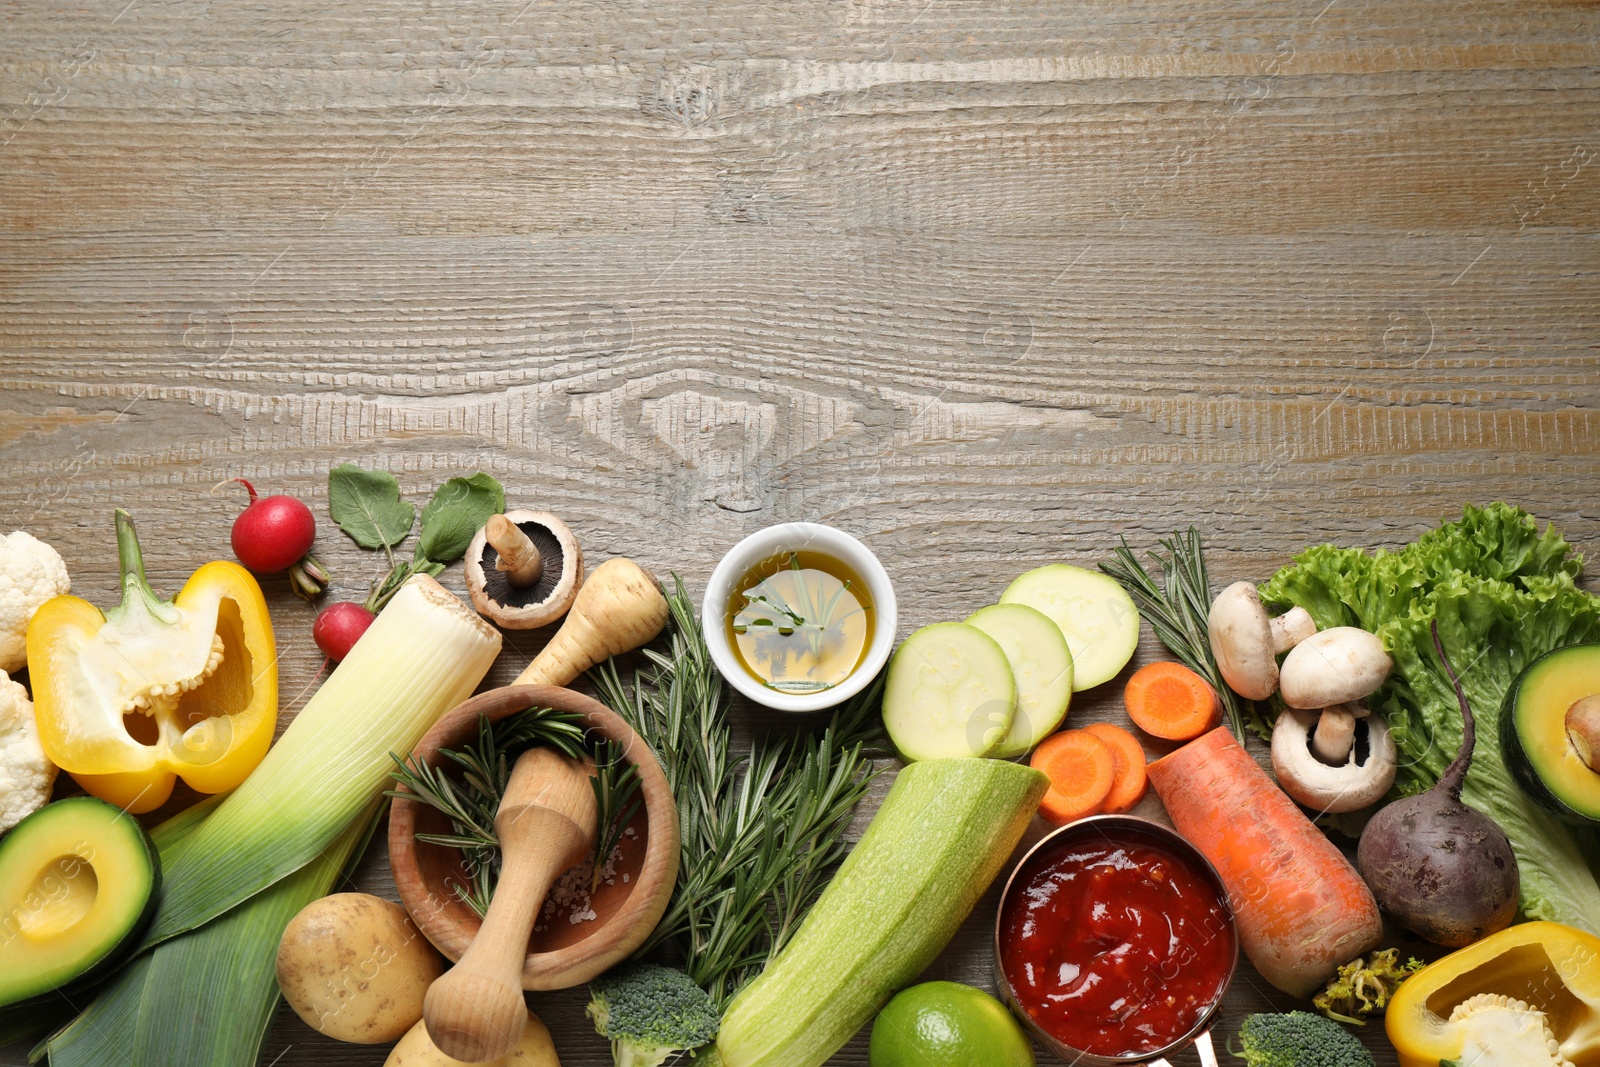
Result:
{"points": [[1503, 594]]}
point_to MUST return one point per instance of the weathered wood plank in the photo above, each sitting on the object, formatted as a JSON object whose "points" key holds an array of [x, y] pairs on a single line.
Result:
{"points": [[988, 284]]}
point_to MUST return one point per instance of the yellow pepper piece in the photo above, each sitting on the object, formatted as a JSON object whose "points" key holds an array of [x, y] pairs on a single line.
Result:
{"points": [[1552, 967], [154, 690]]}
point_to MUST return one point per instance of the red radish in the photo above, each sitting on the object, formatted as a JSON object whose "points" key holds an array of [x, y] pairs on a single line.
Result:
{"points": [[275, 533], [339, 627]]}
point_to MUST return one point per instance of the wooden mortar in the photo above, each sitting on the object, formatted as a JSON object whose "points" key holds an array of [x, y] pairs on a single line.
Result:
{"points": [[566, 954]]}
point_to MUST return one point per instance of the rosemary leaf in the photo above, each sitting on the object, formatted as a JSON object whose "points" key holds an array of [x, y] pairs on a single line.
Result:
{"points": [[617, 800]]}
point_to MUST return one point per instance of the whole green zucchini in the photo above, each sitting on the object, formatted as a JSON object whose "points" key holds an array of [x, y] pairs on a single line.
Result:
{"points": [[943, 833]]}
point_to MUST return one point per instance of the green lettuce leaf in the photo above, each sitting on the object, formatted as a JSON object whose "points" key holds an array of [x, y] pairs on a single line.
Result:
{"points": [[1503, 594]]}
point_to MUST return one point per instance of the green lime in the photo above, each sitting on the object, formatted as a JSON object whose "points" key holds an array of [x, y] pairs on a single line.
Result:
{"points": [[946, 1024]]}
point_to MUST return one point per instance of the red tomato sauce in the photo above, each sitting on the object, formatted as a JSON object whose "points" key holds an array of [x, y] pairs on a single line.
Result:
{"points": [[1115, 947]]}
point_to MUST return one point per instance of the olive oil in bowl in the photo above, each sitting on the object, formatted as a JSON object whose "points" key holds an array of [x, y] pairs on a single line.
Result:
{"points": [[800, 622]]}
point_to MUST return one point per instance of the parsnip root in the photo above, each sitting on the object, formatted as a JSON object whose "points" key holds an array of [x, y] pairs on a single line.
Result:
{"points": [[619, 608]]}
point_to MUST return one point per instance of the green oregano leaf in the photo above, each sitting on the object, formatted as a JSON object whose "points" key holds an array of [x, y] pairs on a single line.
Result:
{"points": [[454, 515], [367, 506]]}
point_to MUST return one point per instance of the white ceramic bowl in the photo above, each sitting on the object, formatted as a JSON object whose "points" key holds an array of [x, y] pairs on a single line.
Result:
{"points": [[798, 537]]}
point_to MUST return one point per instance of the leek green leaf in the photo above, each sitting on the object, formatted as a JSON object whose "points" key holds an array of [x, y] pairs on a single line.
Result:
{"points": [[104, 1032], [210, 995]]}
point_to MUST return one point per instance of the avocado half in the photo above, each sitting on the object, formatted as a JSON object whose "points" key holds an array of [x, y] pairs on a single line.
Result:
{"points": [[78, 882], [1533, 733]]}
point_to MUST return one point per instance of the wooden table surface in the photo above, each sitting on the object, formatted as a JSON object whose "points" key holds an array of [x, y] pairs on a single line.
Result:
{"points": [[987, 284]]}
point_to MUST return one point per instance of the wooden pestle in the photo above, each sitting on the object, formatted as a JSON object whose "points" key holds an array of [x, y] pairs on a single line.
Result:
{"points": [[546, 823]]}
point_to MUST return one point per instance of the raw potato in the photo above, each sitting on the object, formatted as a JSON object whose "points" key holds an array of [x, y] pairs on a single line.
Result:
{"points": [[534, 1050], [356, 968]]}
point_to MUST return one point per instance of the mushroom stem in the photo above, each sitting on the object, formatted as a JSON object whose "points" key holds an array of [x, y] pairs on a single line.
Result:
{"points": [[1290, 628], [1583, 730], [519, 556], [1335, 735]]}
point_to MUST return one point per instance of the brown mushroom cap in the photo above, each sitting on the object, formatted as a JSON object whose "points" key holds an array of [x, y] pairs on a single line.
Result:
{"points": [[547, 599]]}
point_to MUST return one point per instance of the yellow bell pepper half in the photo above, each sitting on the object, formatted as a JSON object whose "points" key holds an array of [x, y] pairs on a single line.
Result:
{"points": [[154, 690], [1548, 967]]}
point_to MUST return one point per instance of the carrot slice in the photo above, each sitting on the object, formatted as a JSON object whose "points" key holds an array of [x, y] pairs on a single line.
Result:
{"points": [[1169, 701], [1081, 770], [1127, 756], [1302, 909]]}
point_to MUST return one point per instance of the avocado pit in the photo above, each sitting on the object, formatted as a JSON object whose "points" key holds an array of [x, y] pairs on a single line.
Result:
{"points": [[1583, 730]]}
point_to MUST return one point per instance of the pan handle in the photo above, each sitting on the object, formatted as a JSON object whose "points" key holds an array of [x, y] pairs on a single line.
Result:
{"points": [[1202, 1046]]}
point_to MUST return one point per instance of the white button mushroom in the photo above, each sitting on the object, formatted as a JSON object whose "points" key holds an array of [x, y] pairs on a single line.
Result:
{"points": [[1343, 783], [1339, 665], [1246, 641]]}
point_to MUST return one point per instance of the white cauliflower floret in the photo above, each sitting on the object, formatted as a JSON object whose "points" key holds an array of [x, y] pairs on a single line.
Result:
{"points": [[25, 774], [31, 572]]}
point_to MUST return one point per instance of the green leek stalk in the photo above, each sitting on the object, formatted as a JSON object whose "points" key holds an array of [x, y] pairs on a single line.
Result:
{"points": [[103, 1034], [424, 654]]}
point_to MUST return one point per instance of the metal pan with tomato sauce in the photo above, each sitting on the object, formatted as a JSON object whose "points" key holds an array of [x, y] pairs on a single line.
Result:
{"points": [[1115, 944]]}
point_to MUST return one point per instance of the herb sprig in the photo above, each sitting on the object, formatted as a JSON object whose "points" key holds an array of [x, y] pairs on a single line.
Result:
{"points": [[617, 800], [759, 831], [768, 611], [1178, 608], [471, 804]]}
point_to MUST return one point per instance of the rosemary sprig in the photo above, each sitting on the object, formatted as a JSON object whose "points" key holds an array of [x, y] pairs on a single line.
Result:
{"points": [[759, 831], [471, 803], [617, 800], [1177, 609]]}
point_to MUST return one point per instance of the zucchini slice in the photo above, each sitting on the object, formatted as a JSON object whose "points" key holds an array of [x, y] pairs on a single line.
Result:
{"points": [[949, 693], [1096, 617], [1041, 664]]}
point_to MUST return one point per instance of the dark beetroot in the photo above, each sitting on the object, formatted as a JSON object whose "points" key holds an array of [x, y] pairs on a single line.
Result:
{"points": [[274, 533], [339, 627], [1443, 870]]}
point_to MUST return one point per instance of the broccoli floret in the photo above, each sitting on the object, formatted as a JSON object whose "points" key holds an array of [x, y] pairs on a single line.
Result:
{"points": [[1299, 1039], [651, 1013]]}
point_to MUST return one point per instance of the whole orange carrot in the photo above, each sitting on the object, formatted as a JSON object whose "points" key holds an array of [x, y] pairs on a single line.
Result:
{"points": [[1301, 908]]}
